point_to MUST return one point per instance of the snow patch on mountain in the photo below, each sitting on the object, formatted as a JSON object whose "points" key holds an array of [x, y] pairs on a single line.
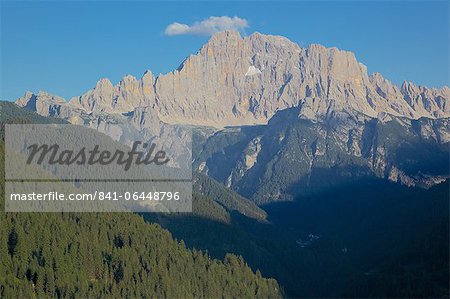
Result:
{"points": [[252, 70]]}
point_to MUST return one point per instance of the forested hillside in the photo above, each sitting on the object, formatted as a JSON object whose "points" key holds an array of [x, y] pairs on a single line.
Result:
{"points": [[370, 239], [118, 255], [227, 198], [108, 254]]}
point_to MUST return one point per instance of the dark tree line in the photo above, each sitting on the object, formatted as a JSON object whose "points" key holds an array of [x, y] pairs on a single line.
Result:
{"points": [[119, 255]]}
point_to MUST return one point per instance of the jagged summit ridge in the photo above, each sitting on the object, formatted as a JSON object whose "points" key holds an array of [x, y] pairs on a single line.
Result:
{"points": [[234, 80]]}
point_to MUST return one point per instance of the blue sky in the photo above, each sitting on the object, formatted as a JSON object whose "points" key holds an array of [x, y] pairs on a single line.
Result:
{"points": [[65, 47]]}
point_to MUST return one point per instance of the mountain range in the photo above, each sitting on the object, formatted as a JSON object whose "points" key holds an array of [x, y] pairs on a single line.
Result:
{"points": [[240, 81], [272, 119]]}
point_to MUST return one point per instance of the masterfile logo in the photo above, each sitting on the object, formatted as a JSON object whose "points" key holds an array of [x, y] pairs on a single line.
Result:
{"points": [[53, 168], [54, 155]]}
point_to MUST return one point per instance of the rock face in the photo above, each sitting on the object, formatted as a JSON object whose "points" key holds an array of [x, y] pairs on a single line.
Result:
{"points": [[236, 80], [319, 118], [291, 157]]}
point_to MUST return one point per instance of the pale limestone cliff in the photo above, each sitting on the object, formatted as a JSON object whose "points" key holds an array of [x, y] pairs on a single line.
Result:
{"points": [[236, 80]]}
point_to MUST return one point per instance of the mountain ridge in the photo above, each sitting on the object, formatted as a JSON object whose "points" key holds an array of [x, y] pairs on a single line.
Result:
{"points": [[234, 81], [318, 107]]}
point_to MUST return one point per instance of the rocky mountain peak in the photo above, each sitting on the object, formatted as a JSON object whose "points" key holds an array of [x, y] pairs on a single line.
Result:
{"points": [[235, 80], [148, 75], [226, 36], [103, 84]]}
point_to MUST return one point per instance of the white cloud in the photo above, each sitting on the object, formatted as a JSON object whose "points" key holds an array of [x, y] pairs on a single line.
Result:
{"points": [[208, 26]]}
